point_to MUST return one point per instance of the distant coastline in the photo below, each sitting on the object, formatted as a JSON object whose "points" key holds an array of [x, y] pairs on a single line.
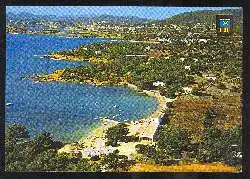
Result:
{"points": [[187, 76], [57, 56]]}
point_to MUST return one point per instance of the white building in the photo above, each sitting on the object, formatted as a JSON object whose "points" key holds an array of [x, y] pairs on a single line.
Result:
{"points": [[195, 60], [147, 48], [187, 67], [98, 52], [158, 83], [210, 77], [182, 59], [203, 40], [187, 90]]}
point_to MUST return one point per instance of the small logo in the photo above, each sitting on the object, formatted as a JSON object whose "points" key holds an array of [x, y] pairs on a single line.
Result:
{"points": [[224, 24]]}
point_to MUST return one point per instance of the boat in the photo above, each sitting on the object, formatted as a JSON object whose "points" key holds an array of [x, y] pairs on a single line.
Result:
{"points": [[115, 116], [8, 104]]}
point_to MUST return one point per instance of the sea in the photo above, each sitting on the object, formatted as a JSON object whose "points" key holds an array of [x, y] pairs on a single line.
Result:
{"points": [[67, 111]]}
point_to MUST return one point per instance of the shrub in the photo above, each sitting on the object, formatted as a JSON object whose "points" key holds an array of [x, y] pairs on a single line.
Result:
{"points": [[167, 113], [16, 132], [196, 91], [221, 86], [95, 158], [172, 142], [210, 118], [84, 165], [219, 145], [131, 138], [48, 161], [236, 89], [16, 166], [111, 142], [115, 162], [116, 133], [145, 149], [169, 91]]}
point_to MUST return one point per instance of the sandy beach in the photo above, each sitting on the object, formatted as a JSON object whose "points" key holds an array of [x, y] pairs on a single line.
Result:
{"points": [[94, 143]]}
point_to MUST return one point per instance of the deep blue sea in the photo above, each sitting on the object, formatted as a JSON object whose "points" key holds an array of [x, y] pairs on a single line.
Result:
{"points": [[67, 111]]}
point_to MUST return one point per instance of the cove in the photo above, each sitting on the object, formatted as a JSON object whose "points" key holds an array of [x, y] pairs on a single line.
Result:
{"points": [[65, 110]]}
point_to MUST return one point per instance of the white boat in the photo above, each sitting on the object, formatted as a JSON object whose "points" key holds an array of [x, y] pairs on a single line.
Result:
{"points": [[115, 116], [8, 104]]}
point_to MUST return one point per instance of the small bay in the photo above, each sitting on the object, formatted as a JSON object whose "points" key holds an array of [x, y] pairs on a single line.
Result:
{"points": [[66, 110]]}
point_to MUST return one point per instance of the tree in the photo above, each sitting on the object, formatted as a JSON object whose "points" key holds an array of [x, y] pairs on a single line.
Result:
{"points": [[210, 118], [84, 165], [43, 142], [219, 145], [115, 162], [14, 145], [15, 166], [40, 154], [172, 142], [48, 160], [16, 132], [147, 150], [116, 133]]}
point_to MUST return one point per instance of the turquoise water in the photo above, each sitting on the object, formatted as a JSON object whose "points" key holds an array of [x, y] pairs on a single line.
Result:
{"points": [[65, 110]]}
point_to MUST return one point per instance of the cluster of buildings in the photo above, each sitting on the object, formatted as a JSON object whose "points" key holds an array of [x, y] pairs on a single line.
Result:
{"points": [[156, 31]]}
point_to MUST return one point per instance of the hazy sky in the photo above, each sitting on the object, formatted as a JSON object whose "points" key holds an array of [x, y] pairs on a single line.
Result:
{"points": [[140, 11]]}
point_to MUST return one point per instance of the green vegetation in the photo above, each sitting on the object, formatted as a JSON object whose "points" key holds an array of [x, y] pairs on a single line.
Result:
{"points": [[206, 17], [220, 145], [175, 145], [115, 134], [202, 125], [115, 162], [39, 154], [119, 133], [173, 142], [219, 56], [202, 129]]}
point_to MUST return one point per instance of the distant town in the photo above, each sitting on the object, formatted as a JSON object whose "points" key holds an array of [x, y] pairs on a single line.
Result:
{"points": [[107, 26], [192, 72]]}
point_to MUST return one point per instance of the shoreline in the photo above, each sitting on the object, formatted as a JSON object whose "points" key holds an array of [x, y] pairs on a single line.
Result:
{"points": [[57, 56], [93, 143], [75, 58], [141, 41], [64, 35]]}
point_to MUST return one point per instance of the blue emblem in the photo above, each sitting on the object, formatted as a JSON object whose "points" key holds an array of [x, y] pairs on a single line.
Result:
{"points": [[224, 23]]}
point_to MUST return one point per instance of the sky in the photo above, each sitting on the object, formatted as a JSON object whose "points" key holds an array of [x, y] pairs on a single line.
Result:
{"points": [[139, 11]]}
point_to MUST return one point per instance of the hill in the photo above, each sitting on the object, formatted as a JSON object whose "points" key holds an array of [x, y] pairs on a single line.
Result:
{"points": [[205, 17], [23, 16]]}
